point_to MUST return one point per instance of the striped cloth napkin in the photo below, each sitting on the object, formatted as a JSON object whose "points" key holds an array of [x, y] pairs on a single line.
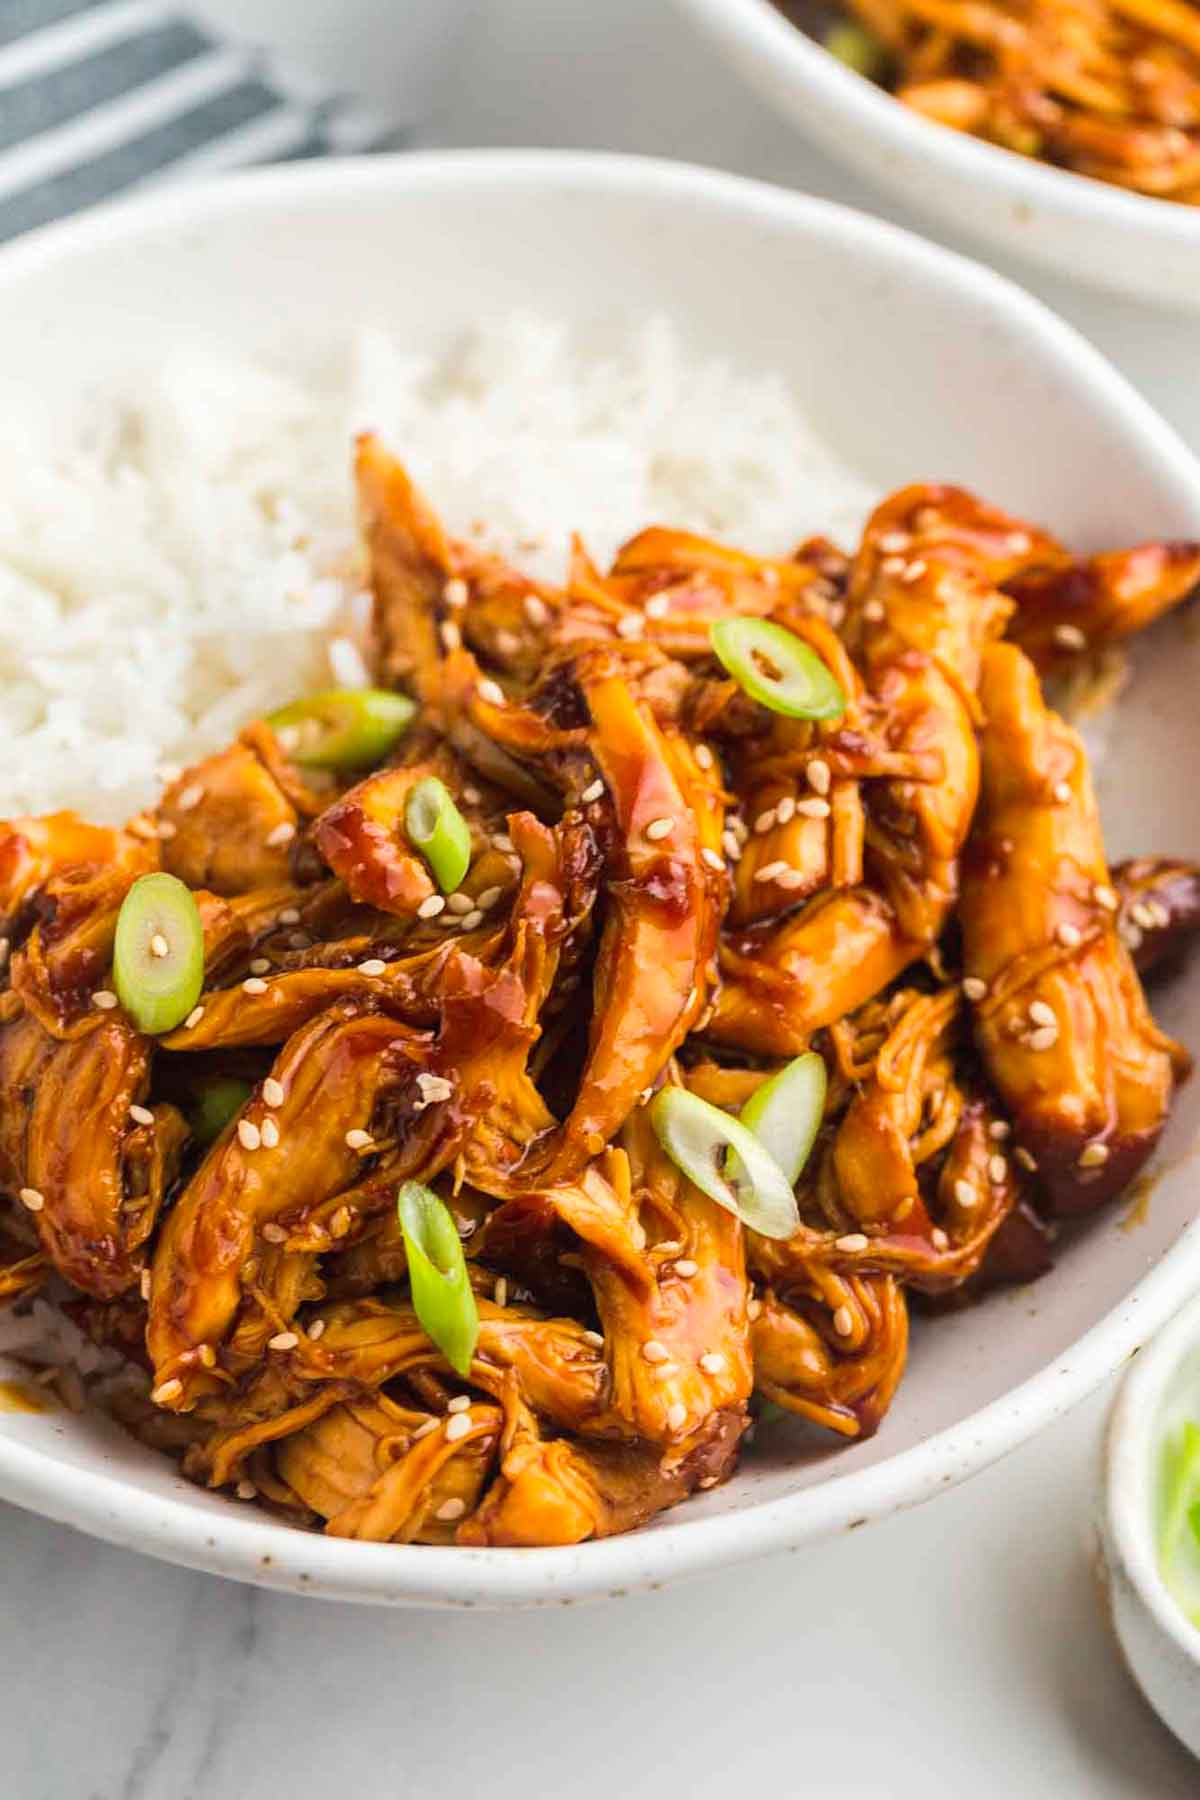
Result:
{"points": [[97, 96]]}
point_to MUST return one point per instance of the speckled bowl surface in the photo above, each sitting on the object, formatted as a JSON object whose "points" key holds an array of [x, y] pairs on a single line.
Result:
{"points": [[916, 364]]}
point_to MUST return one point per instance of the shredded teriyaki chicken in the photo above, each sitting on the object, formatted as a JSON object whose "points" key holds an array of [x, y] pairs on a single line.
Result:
{"points": [[668, 885]]}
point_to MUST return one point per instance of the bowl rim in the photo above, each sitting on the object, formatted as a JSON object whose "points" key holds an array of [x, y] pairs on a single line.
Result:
{"points": [[1129, 1473], [758, 28], [269, 1553]]}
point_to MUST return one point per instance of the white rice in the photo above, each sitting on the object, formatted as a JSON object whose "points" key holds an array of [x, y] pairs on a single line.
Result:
{"points": [[181, 557]]}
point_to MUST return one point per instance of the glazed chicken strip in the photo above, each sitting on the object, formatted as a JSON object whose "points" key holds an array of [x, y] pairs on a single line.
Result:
{"points": [[332, 1074], [1059, 1012]]}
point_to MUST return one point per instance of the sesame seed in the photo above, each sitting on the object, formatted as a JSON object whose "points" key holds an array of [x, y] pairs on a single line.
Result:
{"points": [[275, 1234], [765, 820], [595, 1339], [374, 965], [457, 1427], [189, 798], [260, 965], [713, 859], [166, 830], [339, 1225], [490, 691], [784, 810], [144, 1284], [1069, 637], [488, 898], [974, 987], [1092, 1156], [431, 907], [454, 593], [460, 1403], [653, 1351], [425, 1429], [657, 607], [892, 542], [299, 940], [938, 1238], [290, 916], [249, 1136], [358, 1139], [658, 829], [1044, 1038], [770, 870], [631, 626], [141, 1115], [535, 608], [1159, 914], [281, 834], [254, 984], [104, 999], [1041, 1013], [169, 1390], [1129, 935], [791, 878], [472, 921], [246, 1490], [143, 827], [853, 1240], [676, 1416], [1062, 792], [272, 1091], [1105, 896], [999, 1129], [753, 1308], [593, 791], [965, 1194], [731, 847], [206, 1356], [316, 1330], [1069, 936], [459, 903], [704, 756], [843, 1321], [500, 1292], [813, 809], [892, 565], [873, 611], [685, 1268], [913, 572], [159, 945], [168, 772], [283, 1340], [1142, 915], [818, 775], [434, 1087], [997, 1170], [450, 635], [1026, 1159], [269, 1131], [193, 1018], [31, 1198]]}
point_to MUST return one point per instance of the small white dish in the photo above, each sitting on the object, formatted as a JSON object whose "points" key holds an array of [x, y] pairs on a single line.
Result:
{"points": [[1083, 229], [914, 363], [1160, 1645]]}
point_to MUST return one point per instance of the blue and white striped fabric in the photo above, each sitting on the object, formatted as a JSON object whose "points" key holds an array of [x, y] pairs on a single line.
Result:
{"points": [[97, 96]]}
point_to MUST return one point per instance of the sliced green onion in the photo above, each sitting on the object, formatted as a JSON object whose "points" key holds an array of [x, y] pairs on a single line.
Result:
{"points": [[858, 48], [699, 1137], [785, 1113], [437, 1273], [214, 1103], [158, 953], [1179, 1497], [438, 830], [777, 669], [344, 728]]}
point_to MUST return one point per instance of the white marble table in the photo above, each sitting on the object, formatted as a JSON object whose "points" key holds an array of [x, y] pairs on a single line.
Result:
{"points": [[958, 1649]]}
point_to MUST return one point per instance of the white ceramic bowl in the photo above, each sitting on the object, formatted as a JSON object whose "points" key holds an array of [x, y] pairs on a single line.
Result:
{"points": [[1159, 1644], [1084, 229], [916, 364]]}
